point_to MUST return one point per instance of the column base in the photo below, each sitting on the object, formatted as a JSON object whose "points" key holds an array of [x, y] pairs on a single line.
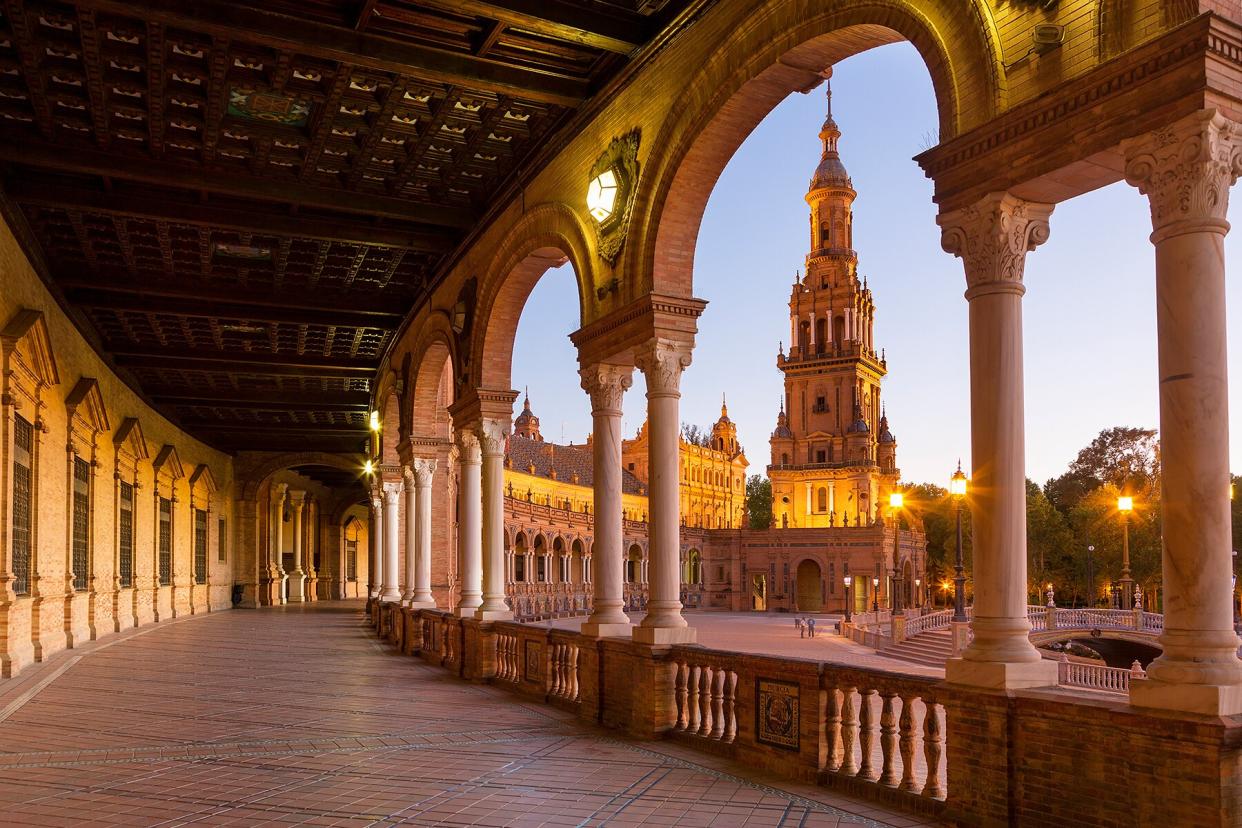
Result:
{"points": [[594, 630], [1208, 699], [665, 635], [1000, 675], [422, 605], [390, 597], [493, 615]]}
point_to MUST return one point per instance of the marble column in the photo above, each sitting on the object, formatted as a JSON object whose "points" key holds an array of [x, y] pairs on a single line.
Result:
{"points": [[411, 535], [492, 435], [389, 591], [375, 574], [1186, 172], [606, 385], [470, 524], [297, 578], [662, 362], [424, 469], [311, 523], [992, 237], [276, 565]]}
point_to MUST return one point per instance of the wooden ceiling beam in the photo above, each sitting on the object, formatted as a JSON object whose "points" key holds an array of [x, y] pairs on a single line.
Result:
{"points": [[574, 22], [199, 306], [223, 182], [226, 426], [241, 362], [339, 43], [277, 440], [25, 191], [382, 309], [271, 400]]}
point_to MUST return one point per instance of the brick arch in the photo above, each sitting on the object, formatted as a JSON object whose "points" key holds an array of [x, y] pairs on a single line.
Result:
{"points": [[387, 402], [544, 237], [778, 51], [433, 353], [252, 479]]}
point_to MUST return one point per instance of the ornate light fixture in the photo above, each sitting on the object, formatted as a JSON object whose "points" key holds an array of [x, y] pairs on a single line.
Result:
{"points": [[375, 421], [611, 184]]}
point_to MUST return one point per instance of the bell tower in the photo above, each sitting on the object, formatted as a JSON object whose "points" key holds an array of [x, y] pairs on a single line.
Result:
{"points": [[827, 468]]}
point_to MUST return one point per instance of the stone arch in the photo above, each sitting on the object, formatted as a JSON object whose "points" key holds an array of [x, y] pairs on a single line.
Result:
{"points": [[779, 50], [252, 479], [546, 236], [387, 402], [433, 356], [809, 578]]}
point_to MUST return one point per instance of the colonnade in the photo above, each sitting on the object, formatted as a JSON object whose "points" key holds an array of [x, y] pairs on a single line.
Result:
{"points": [[300, 583]]}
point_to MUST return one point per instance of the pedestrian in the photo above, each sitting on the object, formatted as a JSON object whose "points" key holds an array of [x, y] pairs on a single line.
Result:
{"points": [[798, 624], [810, 626]]}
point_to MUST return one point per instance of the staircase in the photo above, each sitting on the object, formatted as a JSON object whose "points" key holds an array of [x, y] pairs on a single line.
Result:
{"points": [[930, 649]]}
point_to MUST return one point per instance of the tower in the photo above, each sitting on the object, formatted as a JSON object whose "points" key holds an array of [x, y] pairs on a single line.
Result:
{"points": [[833, 456]]}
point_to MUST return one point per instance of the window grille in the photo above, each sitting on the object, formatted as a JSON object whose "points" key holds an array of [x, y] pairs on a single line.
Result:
{"points": [[165, 547], [81, 522], [221, 542], [127, 536], [23, 445], [351, 560], [200, 546]]}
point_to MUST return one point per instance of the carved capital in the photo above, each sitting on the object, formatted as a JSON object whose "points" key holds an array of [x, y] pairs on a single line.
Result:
{"points": [[662, 361], [468, 448], [492, 435], [992, 237], [392, 490], [1186, 170], [606, 384], [424, 468], [278, 492], [297, 498], [377, 502]]}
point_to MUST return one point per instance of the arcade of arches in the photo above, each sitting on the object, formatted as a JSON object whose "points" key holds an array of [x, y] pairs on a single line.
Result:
{"points": [[263, 266]]}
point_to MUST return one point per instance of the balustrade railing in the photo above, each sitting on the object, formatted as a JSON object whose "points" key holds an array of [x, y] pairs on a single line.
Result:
{"points": [[507, 665], [564, 669], [886, 730], [931, 621], [706, 697], [1097, 676]]}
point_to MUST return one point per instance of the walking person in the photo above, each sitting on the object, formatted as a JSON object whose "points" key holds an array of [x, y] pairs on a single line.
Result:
{"points": [[798, 624], [810, 626]]}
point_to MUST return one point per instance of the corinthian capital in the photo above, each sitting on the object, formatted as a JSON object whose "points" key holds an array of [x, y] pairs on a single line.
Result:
{"points": [[606, 384], [993, 236], [468, 448], [424, 468], [492, 435], [1186, 170], [662, 361]]}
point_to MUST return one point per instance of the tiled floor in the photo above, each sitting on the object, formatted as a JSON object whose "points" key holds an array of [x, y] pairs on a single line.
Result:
{"points": [[297, 716]]}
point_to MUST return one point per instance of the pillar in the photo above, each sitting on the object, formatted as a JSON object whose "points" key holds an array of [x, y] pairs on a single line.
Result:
{"points": [[375, 575], [492, 434], [297, 578], [389, 591], [411, 535], [606, 385], [992, 237], [424, 469], [275, 563], [470, 523], [662, 361], [1186, 173]]}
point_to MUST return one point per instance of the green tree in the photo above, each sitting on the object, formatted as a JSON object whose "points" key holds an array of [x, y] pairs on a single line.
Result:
{"points": [[1125, 457], [759, 501], [938, 512], [1048, 538]]}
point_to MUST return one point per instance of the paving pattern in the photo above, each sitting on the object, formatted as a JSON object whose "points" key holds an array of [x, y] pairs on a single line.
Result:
{"points": [[298, 716]]}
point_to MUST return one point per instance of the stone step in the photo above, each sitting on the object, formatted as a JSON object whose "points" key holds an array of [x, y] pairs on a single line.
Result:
{"points": [[931, 649]]}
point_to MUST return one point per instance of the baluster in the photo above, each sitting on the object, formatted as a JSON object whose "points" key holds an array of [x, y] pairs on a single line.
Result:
{"points": [[832, 729], [849, 732], [718, 680], [908, 735], [888, 740], [692, 700], [683, 710], [730, 706], [575, 656], [866, 725], [933, 746], [705, 702]]}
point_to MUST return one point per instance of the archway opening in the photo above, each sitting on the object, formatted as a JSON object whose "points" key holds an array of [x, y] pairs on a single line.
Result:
{"points": [[810, 587]]}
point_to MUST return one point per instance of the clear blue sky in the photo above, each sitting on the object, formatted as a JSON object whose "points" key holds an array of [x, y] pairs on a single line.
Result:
{"points": [[1089, 309]]}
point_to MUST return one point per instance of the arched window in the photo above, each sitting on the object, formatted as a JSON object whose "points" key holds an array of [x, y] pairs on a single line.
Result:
{"points": [[821, 334], [838, 330]]}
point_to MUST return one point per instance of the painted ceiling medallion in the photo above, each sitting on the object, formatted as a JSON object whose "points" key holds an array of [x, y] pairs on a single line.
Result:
{"points": [[267, 106], [611, 185]]}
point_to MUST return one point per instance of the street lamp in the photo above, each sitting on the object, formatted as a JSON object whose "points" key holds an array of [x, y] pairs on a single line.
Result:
{"points": [[895, 502], [957, 488], [1091, 575], [849, 579], [875, 595], [918, 592], [1125, 505]]}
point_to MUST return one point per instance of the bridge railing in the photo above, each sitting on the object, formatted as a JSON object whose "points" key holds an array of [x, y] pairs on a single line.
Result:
{"points": [[1097, 676], [925, 623]]}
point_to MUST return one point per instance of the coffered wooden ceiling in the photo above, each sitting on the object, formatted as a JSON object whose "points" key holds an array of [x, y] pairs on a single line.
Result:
{"points": [[238, 202]]}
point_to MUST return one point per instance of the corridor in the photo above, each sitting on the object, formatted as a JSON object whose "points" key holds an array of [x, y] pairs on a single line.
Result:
{"points": [[298, 716]]}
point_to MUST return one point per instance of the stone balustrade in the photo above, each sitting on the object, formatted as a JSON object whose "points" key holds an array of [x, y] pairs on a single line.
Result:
{"points": [[931, 621], [1097, 676], [938, 750]]}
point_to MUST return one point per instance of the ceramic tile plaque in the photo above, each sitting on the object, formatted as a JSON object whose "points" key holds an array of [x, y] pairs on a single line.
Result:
{"points": [[534, 660], [776, 713]]}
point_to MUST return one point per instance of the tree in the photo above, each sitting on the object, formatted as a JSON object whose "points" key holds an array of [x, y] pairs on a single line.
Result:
{"points": [[1125, 457], [695, 436], [1048, 538], [759, 501]]}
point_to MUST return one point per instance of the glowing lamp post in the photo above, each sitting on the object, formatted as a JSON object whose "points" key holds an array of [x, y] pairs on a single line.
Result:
{"points": [[957, 488], [895, 502], [849, 579], [1125, 505], [875, 594]]}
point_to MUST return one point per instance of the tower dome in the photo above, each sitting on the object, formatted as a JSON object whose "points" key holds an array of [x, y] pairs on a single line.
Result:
{"points": [[886, 436], [527, 424], [831, 172]]}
